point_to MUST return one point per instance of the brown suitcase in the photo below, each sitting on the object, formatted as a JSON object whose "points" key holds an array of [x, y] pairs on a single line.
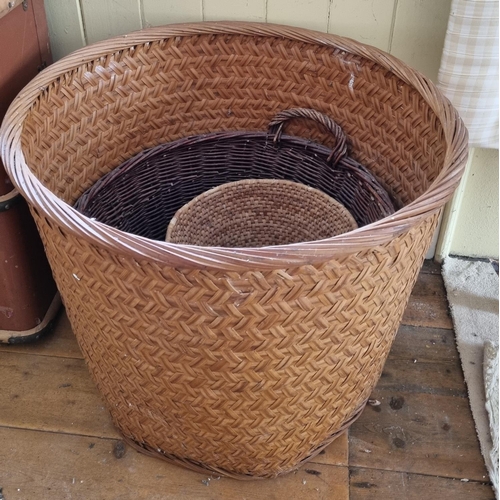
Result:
{"points": [[29, 299]]}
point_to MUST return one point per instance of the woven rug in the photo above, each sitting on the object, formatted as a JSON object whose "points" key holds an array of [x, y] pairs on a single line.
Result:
{"points": [[472, 289]]}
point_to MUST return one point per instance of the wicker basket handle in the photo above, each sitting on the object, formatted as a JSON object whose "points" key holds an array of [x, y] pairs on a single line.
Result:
{"points": [[277, 124]]}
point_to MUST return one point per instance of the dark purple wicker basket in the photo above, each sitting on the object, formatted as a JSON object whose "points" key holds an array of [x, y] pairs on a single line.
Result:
{"points": [[142, 194]]}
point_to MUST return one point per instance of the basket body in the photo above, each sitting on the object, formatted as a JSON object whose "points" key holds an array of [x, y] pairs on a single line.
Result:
{"points": [[257, 213], [241, 361], [246, 374]]}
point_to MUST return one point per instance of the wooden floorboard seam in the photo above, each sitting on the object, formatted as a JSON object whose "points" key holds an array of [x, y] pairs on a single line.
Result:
{"points": [[422, 474], [38, 355], [61, 433], [414, 326]]}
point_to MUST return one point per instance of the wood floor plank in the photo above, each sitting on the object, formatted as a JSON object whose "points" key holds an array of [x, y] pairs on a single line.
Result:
{"points": [[431, 267], [50, 393], [50, 466], [444, 379], [335, 454], [60, 342], [369, 484], [429, 285], [427, 312], [428, 306], [424, 344], [424, 360], [417, 433]]}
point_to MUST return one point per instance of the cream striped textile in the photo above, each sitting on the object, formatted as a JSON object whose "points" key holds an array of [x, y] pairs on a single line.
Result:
{"points": [[468, 74]]}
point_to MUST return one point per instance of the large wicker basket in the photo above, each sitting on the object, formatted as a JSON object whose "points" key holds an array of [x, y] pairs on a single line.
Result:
{"points": [[249, 361]]}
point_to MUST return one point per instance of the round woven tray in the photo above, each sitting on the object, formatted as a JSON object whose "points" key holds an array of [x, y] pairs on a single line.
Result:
{"points": [[248, 361], [257, 213]]}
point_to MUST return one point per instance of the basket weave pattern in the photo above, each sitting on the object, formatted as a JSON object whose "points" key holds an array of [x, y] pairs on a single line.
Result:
{"points": [[171, 88], [243, 361], [251, 381]]}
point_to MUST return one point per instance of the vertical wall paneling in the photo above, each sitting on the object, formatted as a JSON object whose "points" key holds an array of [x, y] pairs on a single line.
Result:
{"points": [[107, 18], [65, 27], [311, 14], [40, 16], [450, 216], [419, 32], [159, 12], [476, 230], [370, 21], [234, 10]]}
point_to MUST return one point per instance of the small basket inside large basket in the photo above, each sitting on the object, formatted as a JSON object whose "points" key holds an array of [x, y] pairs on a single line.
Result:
{"points": [[142, 194]]}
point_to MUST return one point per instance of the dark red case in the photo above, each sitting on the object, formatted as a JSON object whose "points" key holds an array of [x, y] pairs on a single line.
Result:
{"points": [[28, 295]]}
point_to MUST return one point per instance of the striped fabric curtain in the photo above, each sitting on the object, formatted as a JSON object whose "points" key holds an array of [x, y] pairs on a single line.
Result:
{"points": [[468, 74]]}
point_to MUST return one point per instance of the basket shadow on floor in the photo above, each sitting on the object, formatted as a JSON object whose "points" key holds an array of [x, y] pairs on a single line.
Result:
{"points": [[57, 441]]}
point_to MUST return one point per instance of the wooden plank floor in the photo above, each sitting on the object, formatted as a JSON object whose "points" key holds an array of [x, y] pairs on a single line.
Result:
{"points": [[57, 441]]}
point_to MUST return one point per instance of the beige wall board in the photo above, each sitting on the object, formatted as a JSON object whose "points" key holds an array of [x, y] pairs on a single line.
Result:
{"points": [[159, 12], [65, 27], [368, 21], [234, 10], [311, 14], [431, 253], [450, 217], [476, 228], [107, 18], [419, 32]]}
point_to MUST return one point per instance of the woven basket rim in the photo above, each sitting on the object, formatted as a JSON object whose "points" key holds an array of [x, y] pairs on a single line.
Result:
{"points": [[177, 255]]}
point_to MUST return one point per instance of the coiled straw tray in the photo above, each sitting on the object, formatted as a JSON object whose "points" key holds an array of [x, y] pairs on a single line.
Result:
{"points": [[257, 213], [250, 361]]}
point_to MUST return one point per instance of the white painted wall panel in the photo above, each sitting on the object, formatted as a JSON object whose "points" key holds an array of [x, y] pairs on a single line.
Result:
{"points": [[107, 18], [234, 10], [419, 32], [370, 21], [159, 12], [65, 27], [476, 232], [312, 14]]}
